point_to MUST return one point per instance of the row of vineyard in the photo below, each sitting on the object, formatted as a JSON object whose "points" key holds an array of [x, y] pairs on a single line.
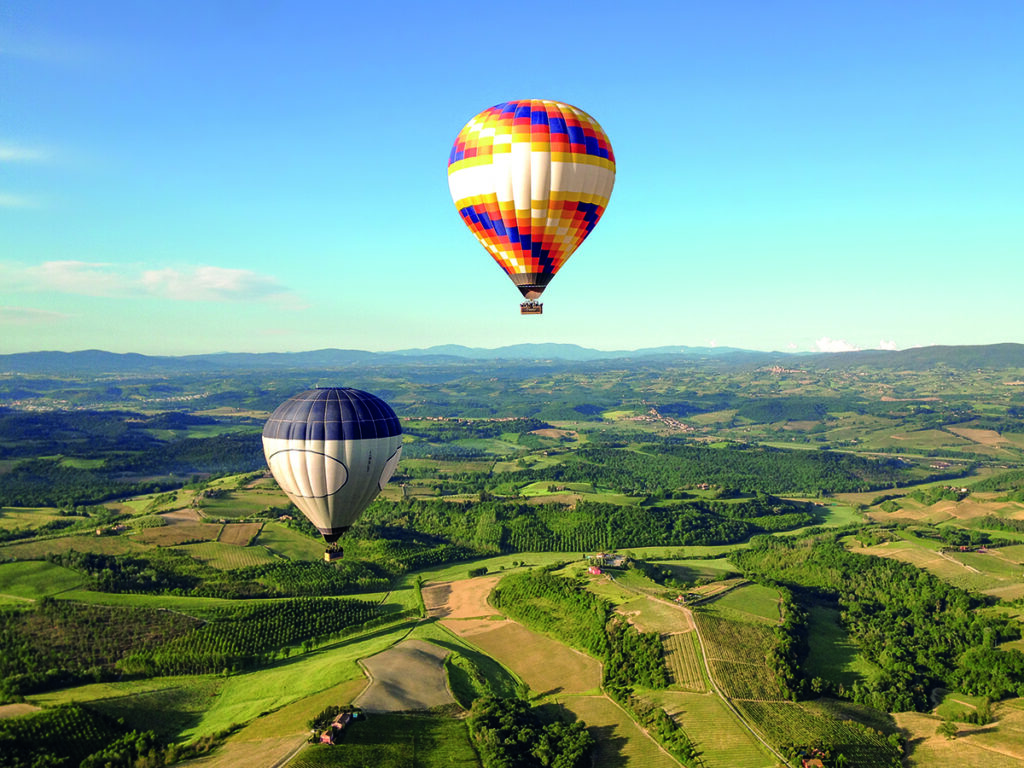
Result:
{"points": [[682, 656], [733, 640], [59, 643], [314, 579], [64, 735], [737, 655], [791, 728], [239, 638]]}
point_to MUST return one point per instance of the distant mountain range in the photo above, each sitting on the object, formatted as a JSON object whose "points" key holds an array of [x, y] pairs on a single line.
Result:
{"points": [[97, 361]]}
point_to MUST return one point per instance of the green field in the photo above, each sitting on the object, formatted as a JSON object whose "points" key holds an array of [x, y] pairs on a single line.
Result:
{"points": [[34, 579], [751, 602], [832, 655], [234, 504], [721, 739], [284, 542], [384, 740], [693, 571], [13, 518], [227, 556]]}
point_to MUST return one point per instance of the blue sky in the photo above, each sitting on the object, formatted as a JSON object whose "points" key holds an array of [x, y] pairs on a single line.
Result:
{"points": [[203, 176]]}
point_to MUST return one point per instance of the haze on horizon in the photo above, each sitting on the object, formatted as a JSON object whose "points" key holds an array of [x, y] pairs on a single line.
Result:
{"points": [[209, 176]]}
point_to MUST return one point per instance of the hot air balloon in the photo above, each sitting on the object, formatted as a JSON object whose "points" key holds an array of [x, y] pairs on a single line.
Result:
{"points": [[530, 179], [332, 450]]}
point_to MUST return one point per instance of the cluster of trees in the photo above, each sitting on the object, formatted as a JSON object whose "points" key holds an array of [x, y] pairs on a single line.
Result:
{"points": [[660, 468], [509, 733], [59, 643], [124, 573], [65, 735], [241, 638], [920, 632], [555, 605], [501, 526], [315, 579]]}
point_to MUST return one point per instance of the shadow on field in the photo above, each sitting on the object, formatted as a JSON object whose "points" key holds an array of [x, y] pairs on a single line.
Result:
{"points": [[500, 682], [608, 752]]}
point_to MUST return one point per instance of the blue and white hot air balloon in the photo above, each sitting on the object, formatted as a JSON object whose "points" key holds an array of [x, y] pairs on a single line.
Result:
{"points": [[332, 450]]}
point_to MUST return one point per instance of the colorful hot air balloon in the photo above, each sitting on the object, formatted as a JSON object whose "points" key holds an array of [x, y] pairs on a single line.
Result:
{"points": [[531, 178], [332, 450]]}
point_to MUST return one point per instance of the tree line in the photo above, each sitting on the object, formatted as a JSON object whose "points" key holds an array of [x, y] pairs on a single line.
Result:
{"points": [[921, 632]]}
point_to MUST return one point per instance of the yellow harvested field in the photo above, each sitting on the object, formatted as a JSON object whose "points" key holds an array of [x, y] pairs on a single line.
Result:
{"points": [[997, 745], [405, 678], [546, 665], [465, 599], [980, 436], [650, 614]]}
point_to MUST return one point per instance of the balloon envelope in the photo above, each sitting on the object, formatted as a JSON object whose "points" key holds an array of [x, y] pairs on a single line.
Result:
{"points": [[531, 179], [332, 450]]}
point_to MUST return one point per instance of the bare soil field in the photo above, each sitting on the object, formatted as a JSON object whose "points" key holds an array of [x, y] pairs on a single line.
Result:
{"points": [[465, 599], [182, 516], [555, 433], [408, 677], [545, 665], [239, 534]]}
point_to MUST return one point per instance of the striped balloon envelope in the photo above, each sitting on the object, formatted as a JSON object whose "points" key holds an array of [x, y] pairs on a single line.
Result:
{"points": [[531, 179], [332, 450]]}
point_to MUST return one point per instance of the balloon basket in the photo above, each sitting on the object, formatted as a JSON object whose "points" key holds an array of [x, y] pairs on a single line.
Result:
{"points": [[531, 308], [331, 555]]}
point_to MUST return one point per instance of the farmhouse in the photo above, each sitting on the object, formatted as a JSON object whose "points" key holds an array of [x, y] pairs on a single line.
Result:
{"points": [[608, 560], [333, 733]]}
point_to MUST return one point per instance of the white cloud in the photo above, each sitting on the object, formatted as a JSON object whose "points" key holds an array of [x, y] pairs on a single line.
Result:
{"points": [[211, 284], [77, 277], [825, 344], [17, 201], [202, 283], [9, 153], [29, 316], [883, 344]]}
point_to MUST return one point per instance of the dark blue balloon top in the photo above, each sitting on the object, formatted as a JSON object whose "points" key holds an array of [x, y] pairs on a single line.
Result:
{"points": [[332, 413]]}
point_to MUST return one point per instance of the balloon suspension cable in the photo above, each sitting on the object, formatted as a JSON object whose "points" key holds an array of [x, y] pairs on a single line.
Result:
{"points": [[531, 308]]}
